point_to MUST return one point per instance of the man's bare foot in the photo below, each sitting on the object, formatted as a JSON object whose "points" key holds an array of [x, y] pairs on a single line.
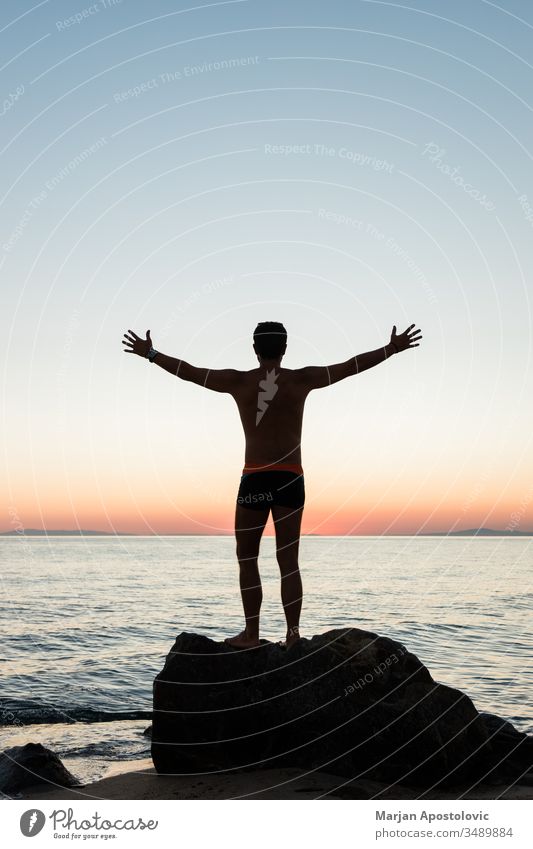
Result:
{"points": [[242, 641], [292, 637]]}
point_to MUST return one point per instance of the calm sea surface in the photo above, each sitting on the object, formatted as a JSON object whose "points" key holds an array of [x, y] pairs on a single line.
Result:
{"points": [[86, 622]]}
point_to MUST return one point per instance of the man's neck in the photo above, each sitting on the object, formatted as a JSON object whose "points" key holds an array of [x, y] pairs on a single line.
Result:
{"points": [[270, 364]]}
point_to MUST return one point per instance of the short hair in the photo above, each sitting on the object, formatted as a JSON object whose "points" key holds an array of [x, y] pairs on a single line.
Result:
{"points": [[270, 339]]}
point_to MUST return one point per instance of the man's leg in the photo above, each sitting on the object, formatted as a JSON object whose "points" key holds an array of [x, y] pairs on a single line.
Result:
{"points": [[249, 527], [288, 522]]}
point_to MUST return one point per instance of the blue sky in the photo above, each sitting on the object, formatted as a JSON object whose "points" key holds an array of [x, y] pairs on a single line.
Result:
{"points": [[194, 169]]}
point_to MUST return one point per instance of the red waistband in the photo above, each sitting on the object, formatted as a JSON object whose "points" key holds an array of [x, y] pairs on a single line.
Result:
{"points": [[273, 467]]}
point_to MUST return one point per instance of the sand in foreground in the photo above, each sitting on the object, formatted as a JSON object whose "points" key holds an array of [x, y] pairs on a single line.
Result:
{"points": [[142, 782]]}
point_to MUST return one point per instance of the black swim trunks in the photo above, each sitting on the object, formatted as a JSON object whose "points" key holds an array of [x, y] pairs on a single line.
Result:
{"points": [[258, 490]]}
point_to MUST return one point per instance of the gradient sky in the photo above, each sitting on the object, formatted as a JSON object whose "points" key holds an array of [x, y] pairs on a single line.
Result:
{"points": [[150, 179]]}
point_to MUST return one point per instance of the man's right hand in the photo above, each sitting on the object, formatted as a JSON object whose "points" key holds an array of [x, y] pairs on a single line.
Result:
{"points": [[405, 340], [133, 344]]}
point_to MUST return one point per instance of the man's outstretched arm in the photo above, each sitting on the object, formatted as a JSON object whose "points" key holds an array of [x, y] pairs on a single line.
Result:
{"points": [[319, 376], [219, 380]]}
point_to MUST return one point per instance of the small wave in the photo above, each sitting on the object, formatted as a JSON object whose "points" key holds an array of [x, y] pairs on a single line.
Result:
{"points": [[17, 712]]}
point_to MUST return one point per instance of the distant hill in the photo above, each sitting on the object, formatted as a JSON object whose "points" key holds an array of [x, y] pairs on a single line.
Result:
{"points": [[36, 532], [482, 532], [471, 532]]}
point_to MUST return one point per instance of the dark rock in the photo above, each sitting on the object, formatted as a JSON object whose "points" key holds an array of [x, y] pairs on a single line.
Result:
{"points": [[347, 702], [148, 731], [512, 750], [25, 766]]}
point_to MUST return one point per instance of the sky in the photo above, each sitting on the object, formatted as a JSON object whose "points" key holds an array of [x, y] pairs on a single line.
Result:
{"points": [[194, 168]]}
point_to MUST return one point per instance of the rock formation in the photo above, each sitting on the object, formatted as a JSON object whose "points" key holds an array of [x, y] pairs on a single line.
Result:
{"points": [[25, 766], [347, 702]]}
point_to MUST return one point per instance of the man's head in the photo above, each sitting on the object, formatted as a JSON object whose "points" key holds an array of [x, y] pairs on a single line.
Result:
{"points": [[270, 340]]}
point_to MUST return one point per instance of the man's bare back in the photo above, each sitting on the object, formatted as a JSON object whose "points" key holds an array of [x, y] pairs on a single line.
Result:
{"points": [[271, 405], [270, 400]]}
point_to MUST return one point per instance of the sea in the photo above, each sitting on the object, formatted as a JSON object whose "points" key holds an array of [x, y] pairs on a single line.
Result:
{"points": [[87, 621]]}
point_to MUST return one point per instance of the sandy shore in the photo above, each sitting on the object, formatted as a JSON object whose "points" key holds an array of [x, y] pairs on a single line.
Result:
{"points": [[142, 782]]}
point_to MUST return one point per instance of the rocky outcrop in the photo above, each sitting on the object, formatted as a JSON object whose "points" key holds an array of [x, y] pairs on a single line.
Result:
{"points": [[512, 750], [26, 766], [347, 702]]}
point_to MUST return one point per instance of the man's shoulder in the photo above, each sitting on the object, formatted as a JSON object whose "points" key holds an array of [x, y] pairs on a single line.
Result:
{"points": [[290, 374]]}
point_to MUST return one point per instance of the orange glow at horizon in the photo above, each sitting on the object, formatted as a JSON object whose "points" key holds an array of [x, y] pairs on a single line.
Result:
{"points": [[322, 516]]}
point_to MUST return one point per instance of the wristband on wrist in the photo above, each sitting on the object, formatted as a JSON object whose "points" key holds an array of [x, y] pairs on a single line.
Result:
{"points": [[151, 354]]}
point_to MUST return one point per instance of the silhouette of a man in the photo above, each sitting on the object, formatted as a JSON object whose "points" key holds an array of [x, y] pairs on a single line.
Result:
{"points": [[270, 400]]}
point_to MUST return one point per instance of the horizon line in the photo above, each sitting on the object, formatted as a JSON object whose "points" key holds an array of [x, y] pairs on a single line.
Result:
{"points": [[89, 532]]}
